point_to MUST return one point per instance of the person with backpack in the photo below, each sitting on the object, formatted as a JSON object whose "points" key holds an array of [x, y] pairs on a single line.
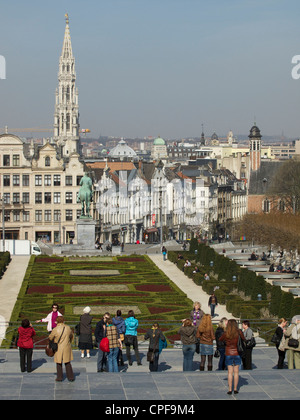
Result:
{"points": [[155, 337]]}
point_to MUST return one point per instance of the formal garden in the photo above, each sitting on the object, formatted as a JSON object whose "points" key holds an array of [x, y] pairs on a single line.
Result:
{"points": [[104, 284]]}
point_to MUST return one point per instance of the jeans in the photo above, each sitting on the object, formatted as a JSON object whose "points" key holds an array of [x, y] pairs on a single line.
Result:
{"points": [[112, 359], [222, 359], [101, 361], [212, 309], [133, 340], [188, 355]]}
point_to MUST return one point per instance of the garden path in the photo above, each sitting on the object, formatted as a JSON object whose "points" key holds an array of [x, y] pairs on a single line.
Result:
{"points": [[10, 284], [193, 292]]}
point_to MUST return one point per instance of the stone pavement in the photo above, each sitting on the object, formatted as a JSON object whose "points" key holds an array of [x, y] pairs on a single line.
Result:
{"points": [[193, 292], [138, 385]]}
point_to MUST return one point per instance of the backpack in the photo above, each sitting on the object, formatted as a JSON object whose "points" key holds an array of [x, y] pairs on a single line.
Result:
{"points": [[104, 345]]}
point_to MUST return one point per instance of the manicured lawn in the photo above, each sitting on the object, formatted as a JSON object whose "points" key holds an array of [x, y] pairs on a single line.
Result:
{"points": [[74, 283]]}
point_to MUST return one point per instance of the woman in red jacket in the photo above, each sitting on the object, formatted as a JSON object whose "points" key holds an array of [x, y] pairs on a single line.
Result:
{"points": [[25, 344]]}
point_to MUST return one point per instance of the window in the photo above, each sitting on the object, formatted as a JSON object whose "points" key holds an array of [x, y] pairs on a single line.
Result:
{"points": [[38, 180], [7, 216], [266, 206], [78, 179], [38, 215], [16, 198], [69, 197], [6, 180], [56, 181], [47, 198], [69, 180], [25, 180], [47, 180], [6, 198], [56, 198], [47, 215], [6, 160], [56, 215], [16, 180], [47, 161], [26, 216], [69, 215], [16, 215], [25, 198], [16, 160], [38, 198]]}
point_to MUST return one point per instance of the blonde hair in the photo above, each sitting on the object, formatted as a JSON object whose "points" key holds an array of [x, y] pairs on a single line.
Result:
{"points": [[198, 304], [222, 323]]}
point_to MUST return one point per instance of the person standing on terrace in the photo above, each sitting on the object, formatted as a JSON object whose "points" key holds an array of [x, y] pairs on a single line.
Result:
{"points": [[51, 318]]}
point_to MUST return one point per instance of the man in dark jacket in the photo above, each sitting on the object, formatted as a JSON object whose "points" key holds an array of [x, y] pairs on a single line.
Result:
{"points": [[100, 332]]}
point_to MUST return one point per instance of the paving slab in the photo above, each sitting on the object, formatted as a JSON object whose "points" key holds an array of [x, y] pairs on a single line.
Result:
{"points": [[137, 383]]}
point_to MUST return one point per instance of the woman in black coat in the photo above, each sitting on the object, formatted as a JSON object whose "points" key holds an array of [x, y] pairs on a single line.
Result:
{"points": [[279, 333], [85, 328], [154, 334]]}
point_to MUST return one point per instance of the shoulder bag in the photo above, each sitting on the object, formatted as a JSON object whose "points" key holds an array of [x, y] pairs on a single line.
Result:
{"points": [[52, 347], [150, 354], [240, 346]]}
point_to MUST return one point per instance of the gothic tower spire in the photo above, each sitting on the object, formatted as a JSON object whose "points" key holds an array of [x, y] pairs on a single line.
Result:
{"points": [[66, 116]]}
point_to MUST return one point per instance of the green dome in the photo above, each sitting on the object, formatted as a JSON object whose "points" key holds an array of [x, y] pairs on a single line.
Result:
{"points": [[159, 142]]}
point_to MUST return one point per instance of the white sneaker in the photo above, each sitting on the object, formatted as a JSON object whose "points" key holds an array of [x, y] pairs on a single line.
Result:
{"points": [[82, 355], [88, 356]]}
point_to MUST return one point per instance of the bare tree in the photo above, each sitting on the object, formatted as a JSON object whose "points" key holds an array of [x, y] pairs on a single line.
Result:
{"points": [[286, 186]]}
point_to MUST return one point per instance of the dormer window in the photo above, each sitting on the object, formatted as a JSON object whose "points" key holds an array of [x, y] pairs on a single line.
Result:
{"points": [[47, 161]]}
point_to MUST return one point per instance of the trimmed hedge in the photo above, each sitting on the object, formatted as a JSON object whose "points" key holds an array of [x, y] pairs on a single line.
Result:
{"points": [[48, 280], [221, 271]]}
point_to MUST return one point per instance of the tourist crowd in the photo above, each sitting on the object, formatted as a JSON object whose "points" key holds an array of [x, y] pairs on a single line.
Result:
{"points": [[233, 345]]}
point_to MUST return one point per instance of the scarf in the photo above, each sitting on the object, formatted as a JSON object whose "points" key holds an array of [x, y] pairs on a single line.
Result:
{"points": [[196, 316]]}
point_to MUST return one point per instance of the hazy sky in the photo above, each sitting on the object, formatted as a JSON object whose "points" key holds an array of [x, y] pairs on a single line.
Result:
{"points": [[155, 67]]}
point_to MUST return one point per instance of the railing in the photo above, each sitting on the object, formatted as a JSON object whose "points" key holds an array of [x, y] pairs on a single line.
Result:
{"points": [[264, 329]]}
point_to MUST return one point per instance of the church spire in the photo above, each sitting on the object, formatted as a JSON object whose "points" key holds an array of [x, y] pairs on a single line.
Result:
{"points": [[66, 116], [67, 45]]}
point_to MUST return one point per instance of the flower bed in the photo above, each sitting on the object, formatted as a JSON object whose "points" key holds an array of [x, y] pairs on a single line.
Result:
{"points": [[48, 280]]}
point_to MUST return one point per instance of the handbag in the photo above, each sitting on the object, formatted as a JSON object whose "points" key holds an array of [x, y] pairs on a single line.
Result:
{"points": [[250, 343], [217, 354], [52, 347], [275, 339], [293, 343], [150, 356], [104, 345], [240, 346]]}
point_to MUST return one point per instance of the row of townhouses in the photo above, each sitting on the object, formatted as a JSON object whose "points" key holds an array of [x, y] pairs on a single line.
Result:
{"points": [[134, 200]]}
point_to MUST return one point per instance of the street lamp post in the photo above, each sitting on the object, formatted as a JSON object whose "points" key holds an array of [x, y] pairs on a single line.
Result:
{"points": [[3, 223]]}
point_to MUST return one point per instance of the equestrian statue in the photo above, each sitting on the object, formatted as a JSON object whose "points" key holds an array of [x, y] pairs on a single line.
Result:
{"points": [[85, 196]]}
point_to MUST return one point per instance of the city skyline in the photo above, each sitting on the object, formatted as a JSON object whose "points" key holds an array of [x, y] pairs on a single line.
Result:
{"points": [[155, 68]]}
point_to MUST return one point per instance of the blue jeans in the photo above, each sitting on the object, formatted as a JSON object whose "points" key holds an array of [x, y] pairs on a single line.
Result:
{"points": [[188, 354], [112, 359], [101, 360], [212, 309], [222, 359]]}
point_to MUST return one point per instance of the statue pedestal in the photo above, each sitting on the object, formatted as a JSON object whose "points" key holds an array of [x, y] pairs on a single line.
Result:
{"points": [[86, 233]]}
